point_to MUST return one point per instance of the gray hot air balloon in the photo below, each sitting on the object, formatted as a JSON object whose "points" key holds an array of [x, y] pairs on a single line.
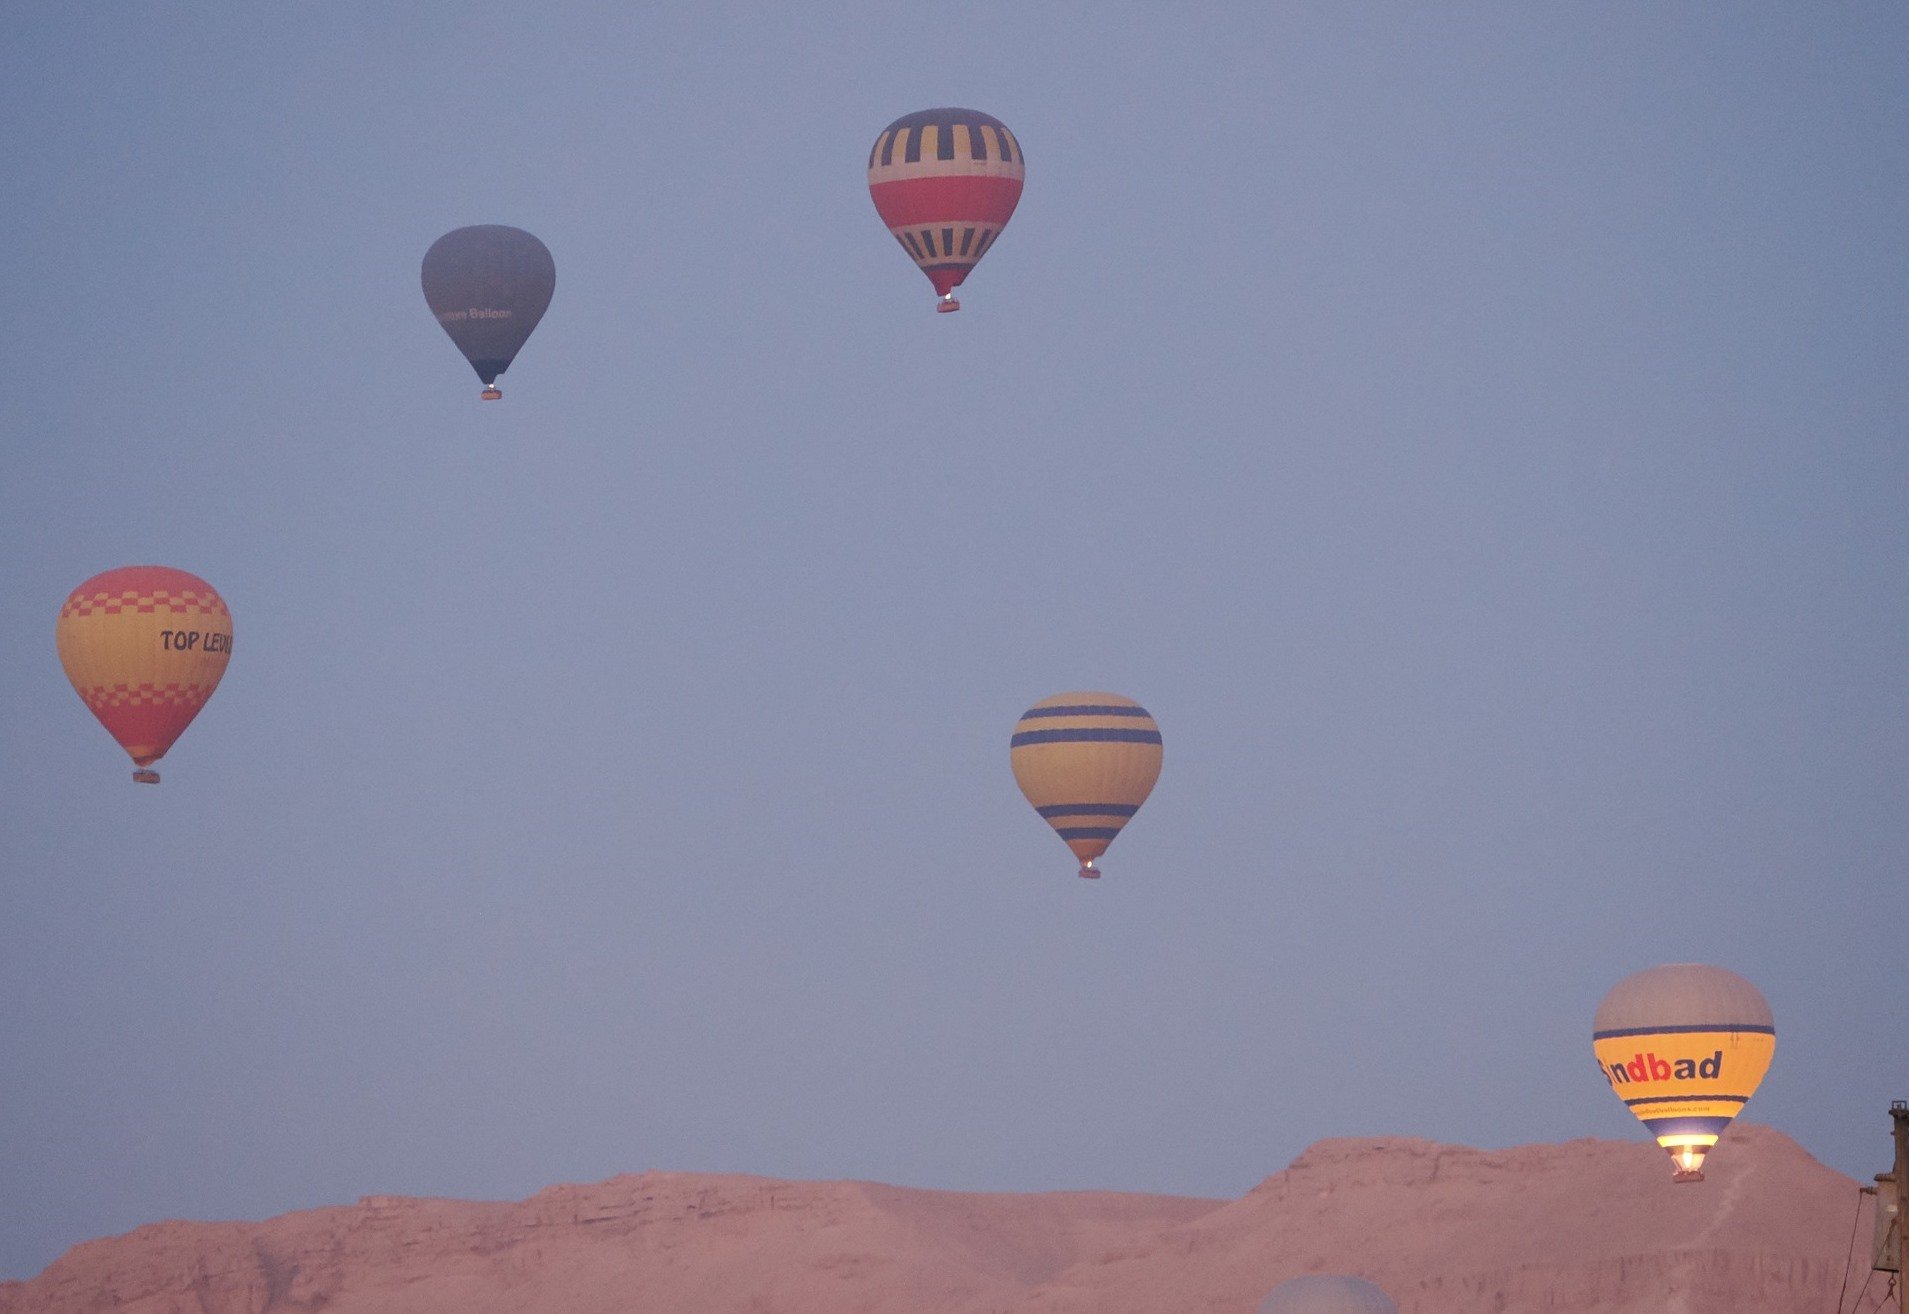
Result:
{"points": [[488, 285], [1327, 1293]]}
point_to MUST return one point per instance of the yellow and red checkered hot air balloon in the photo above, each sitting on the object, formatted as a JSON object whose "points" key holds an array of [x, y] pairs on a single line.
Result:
{"points": [[145, 646], [1684, 1046], [945, 181], [1086, 761]]}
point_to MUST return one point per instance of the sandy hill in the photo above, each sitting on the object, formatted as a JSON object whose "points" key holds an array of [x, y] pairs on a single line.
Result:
{"points": [[1558, 1229]]}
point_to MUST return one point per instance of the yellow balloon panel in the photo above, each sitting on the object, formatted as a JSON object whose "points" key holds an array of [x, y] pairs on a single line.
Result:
{"points": [[1686, 1086]]}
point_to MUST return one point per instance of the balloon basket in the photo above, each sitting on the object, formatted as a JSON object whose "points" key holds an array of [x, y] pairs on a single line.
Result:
{"points": [[1089, 872], [146, 776], [492, 394], [947, 304], [1687, 1163]]}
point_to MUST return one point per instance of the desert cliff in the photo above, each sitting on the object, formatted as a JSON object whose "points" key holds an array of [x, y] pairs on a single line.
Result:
{"points": [[1586, 1227]]}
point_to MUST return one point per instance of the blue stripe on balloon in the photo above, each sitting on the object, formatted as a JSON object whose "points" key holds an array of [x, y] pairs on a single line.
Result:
{"points": [[1694, 1029], [1084, 709], [1086, 832], [1686, 1126], [1084, 735], [1089, 809], [1686, 1099]]}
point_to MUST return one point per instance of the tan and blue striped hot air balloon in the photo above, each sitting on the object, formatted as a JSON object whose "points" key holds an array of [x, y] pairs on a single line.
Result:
{"points": [[1086, 761]]}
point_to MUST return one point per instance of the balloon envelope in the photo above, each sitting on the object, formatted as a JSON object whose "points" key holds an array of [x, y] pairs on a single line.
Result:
{"points": [[488, 285], [1327, 1293], [145, 646], [945, 181], [1086, 761], [1684, 1046]]}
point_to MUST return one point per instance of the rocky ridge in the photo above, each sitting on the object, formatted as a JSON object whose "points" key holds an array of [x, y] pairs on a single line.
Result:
{"points": [[1586, 1227]]}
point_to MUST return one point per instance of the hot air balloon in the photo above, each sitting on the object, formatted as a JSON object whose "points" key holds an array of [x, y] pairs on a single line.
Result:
{"points": [[1086, 761], [945, 182], [488, 285], [1327, 1293], [1684, 1046], [145, 646]]}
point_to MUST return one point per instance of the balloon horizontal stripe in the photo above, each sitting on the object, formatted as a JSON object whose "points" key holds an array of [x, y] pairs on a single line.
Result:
{"points": [[1689, 1125], [1686, 1099], [1084, 735], [113, 604], [1089, 809], [1084, 709], [946, 199], [1708, 1028], [1087, 832], [900, 172], [171, 695]]}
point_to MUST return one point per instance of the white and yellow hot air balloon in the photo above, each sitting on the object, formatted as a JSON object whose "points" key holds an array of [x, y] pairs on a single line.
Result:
{"points": [[1327, 1293], [1684, 1046], [1086, 761]]}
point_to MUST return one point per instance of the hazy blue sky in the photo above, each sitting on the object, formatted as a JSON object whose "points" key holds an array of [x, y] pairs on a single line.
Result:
{"points": [[1475, 432]]}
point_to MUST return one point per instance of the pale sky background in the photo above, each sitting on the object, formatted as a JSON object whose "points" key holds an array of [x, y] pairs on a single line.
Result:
{"points": [[1475, 432]]}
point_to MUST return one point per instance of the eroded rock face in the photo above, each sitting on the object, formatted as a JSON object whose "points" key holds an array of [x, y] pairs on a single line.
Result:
{"points": [[1588, 1227]]}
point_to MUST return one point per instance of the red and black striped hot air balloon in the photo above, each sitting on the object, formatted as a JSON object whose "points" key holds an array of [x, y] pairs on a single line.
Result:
{"points": [[945, 182]]}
